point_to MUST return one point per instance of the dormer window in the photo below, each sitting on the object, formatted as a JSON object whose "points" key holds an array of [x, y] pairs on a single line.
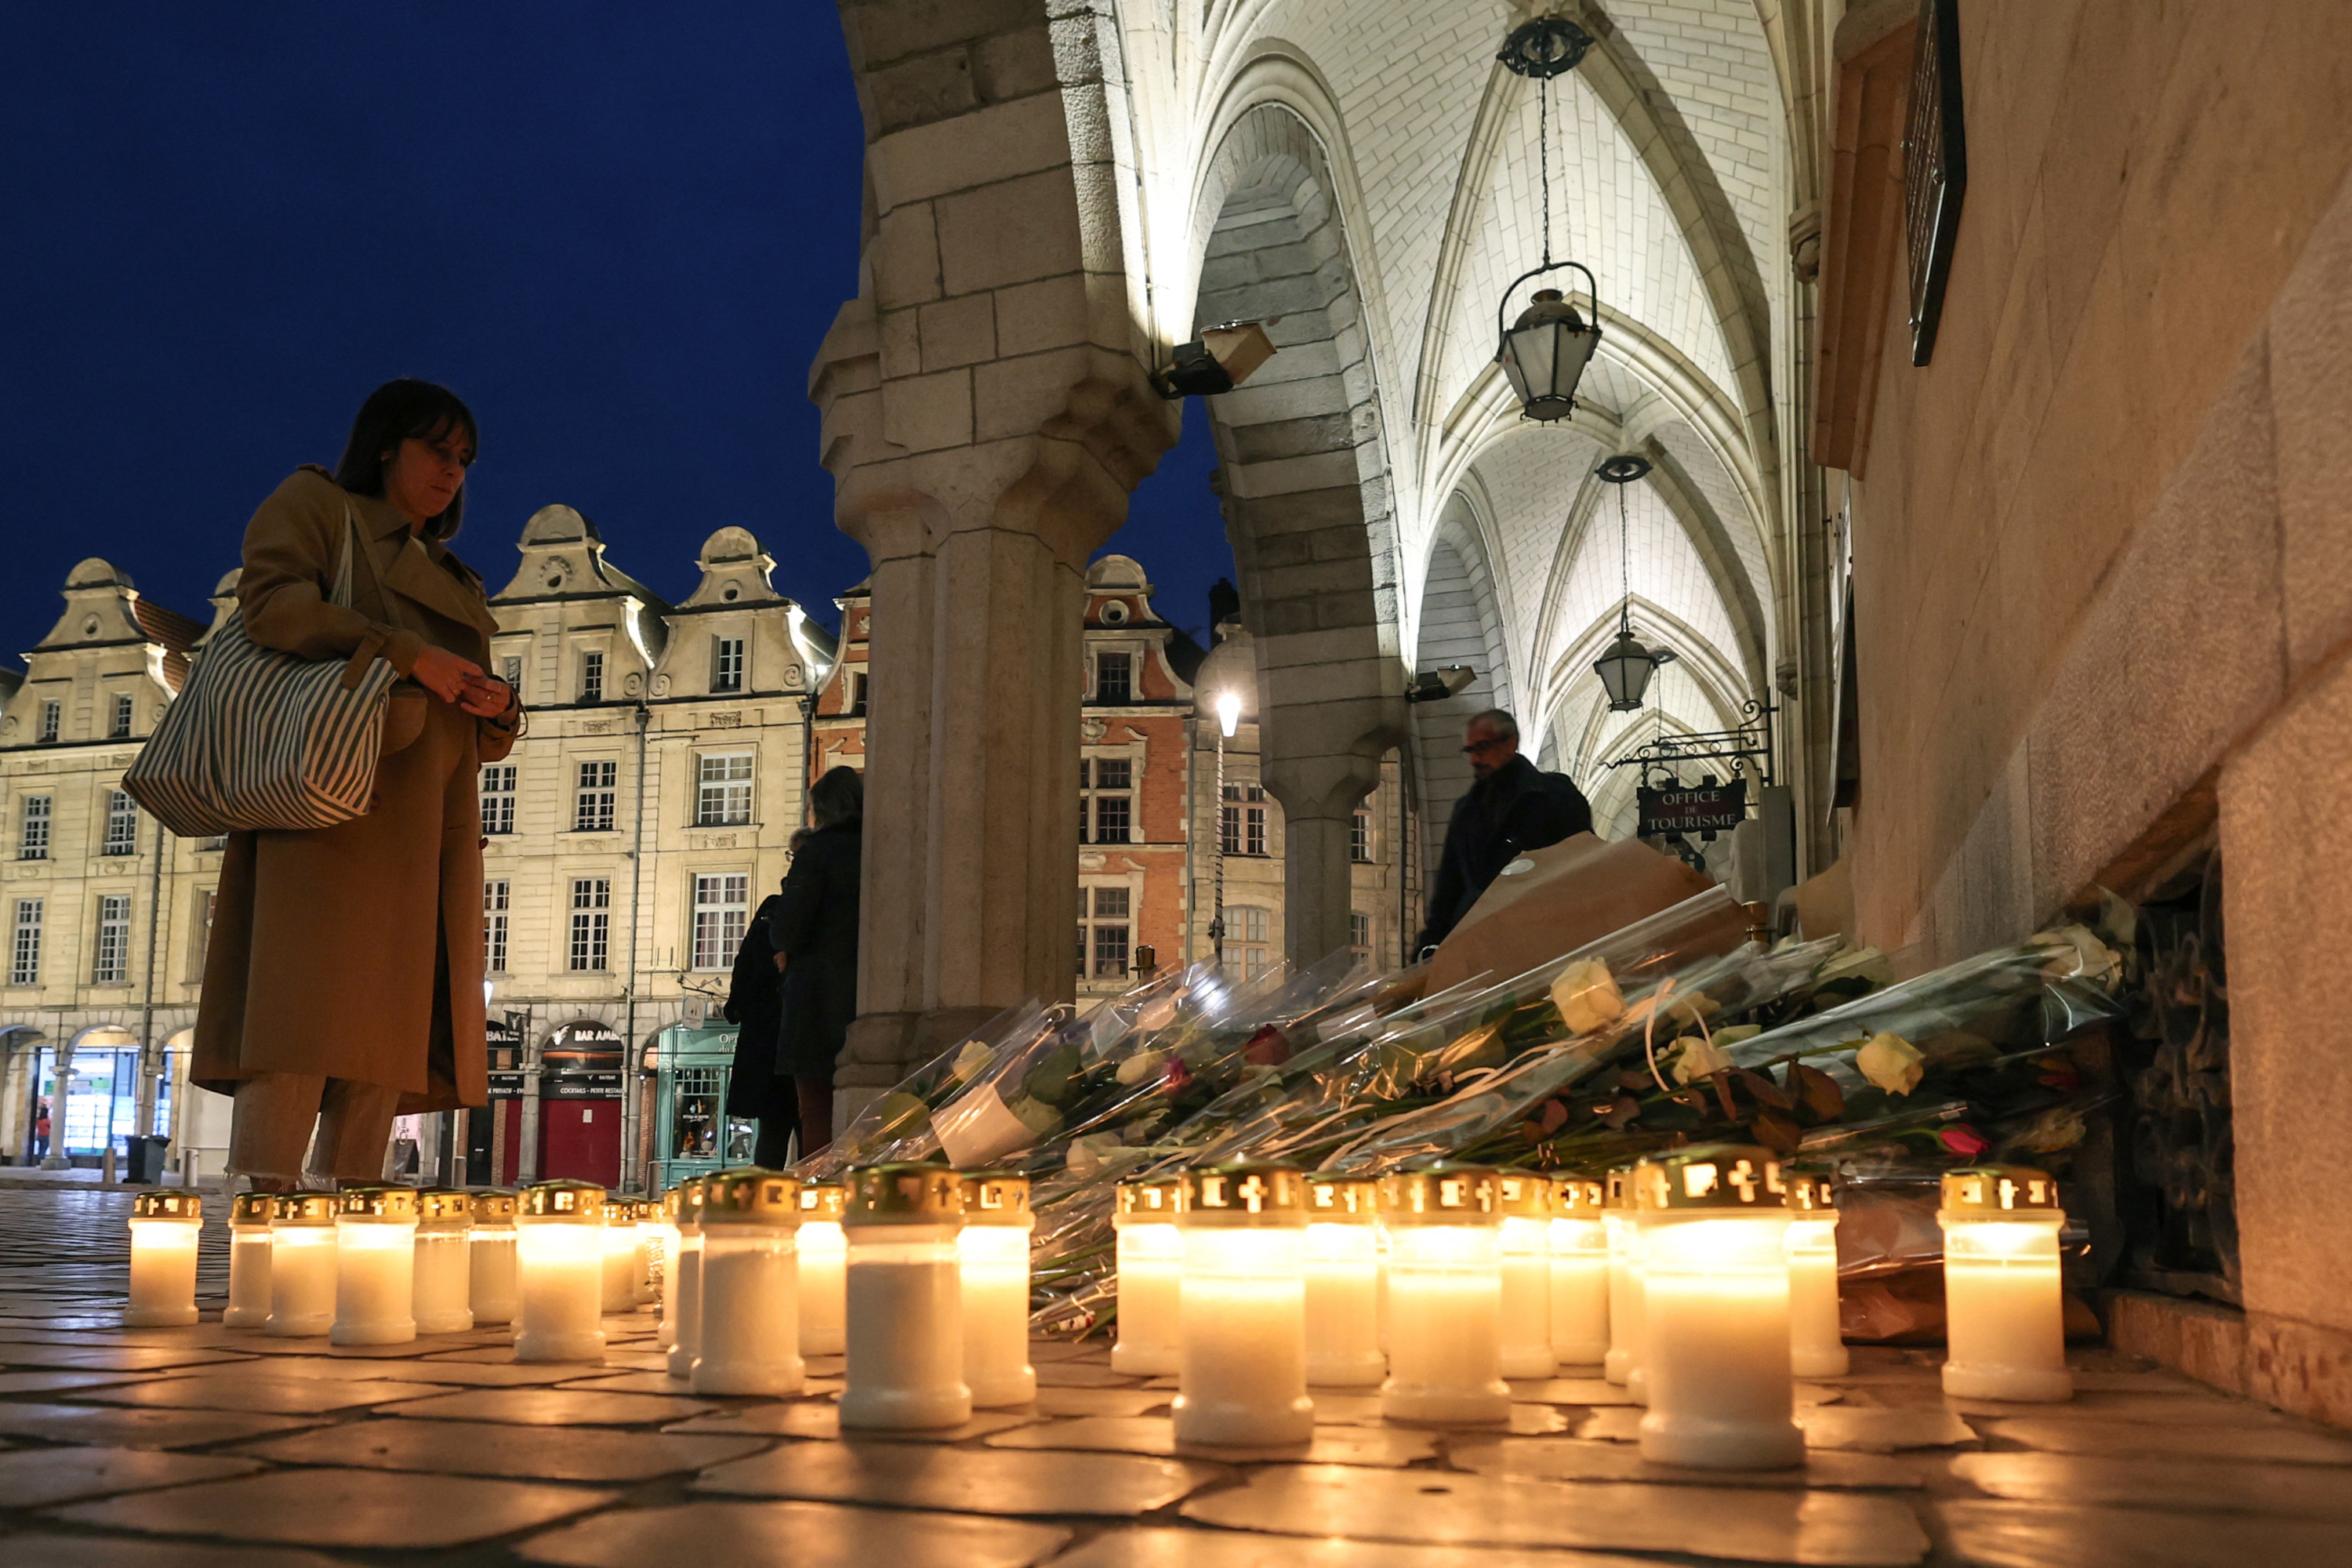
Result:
{"points": [[726, 664], [592, 678], [120, 728], [1114, 678], [53, 717], [1114, 614]]}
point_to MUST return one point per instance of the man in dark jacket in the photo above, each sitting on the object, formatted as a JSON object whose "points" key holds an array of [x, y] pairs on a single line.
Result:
{"points": [[757, 1090], [1512, 808], [814, 926]]}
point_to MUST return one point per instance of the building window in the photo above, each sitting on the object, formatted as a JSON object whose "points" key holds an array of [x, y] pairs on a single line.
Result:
{"points": [[592, 678], [1359, 934], [112, 965], [722, 791], [1359, 837], [494, 928], [32, 837], [726, 664], [25, 945], [1102, 933], [499, 798], [510, 671], [1246, 950], [1106, 800], [857, 695], [722, 908], [592, 924], [122, 715], [696, 1128], [1241, 830], [200, 933], [592, 812], [53, 715], [1114, 678], [122, 824]]}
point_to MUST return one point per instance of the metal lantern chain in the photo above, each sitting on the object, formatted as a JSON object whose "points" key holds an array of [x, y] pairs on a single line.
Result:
{"points": [[1540, 50]]}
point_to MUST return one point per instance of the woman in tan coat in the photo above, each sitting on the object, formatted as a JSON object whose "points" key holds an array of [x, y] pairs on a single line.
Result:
{"points": [[343, 982]]}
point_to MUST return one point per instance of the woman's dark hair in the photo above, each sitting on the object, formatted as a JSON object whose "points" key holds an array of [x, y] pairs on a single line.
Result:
{"points": [[838, 798], [400, 411]]}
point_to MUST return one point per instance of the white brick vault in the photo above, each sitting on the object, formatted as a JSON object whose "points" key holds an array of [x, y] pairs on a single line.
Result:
{"points": [[1363, 173]]}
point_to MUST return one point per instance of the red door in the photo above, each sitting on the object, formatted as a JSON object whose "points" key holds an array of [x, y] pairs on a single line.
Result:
{"points": [[581, 1140]]}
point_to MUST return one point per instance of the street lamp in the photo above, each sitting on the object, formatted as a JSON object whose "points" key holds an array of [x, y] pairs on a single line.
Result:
{"points": [[1229, 719], [1544, 352], [1626, 666]]}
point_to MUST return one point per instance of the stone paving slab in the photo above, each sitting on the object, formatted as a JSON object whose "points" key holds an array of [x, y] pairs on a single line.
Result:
{"points": [[1576, 1460], [1394, 1447], [963, 1480], [38, 1478], [1101, 1401], [139, 1428], [1837, 1529], [125, 1551], [52, 1381], [278, 1395], [471, 1375], [341, 1508], [820, 1419], [2032, 1535], [104, 1358], [2284, 1445], [2294, 1492], [519, 1453], [802, 1534], [1081, 1374], [1153, 1547], [555, 1407]]}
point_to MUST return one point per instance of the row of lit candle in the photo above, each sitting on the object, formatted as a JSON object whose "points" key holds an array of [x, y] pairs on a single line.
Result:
{"points": [[1704, 1279]]}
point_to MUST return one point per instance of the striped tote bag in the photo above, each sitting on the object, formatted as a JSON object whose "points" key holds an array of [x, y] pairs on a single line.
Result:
{"points": [[261, 739]]}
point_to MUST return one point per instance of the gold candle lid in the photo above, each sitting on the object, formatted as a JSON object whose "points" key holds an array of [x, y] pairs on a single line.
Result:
{"points": [[902, 1193], [1523, 1194], [302, 1208], [1576, 1197], [494, 1206], [1148, 1198], [821, 1202], [1242, 1193], [245, 1208], [1716, 1177], [689, 1202], [995, 1197], [1617, 1195], [445, 1205], [1812, 1189], [392, 1205], [1342, 1200], [1441, 1193], [2002, 1192], [572, 1203], [183, 1203], [751, 1195]]}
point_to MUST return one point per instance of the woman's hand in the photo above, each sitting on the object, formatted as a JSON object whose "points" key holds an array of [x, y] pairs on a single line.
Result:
{"points": [[486, 697], [446, 675]]}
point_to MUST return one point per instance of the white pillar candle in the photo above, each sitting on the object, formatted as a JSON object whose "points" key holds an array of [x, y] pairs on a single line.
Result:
{"points": [[1241, 1370], [1523, 1240], [1150, 1268], [494, 1282], [164, 1229], [665, 1293], [1446, 1298], [375, 1266], [993, 1262], [1343, 1283], [683, 1300], [301, 1264], [1715, 1283], [2004, 1298], [1627, 1320], [904, 1299], [650, 1254], [560, 1261], [825, 1253], [248, 1261], [1816, 1343], [617, 1291], [748, 1339], [1580, 1274], [442, 1283]]}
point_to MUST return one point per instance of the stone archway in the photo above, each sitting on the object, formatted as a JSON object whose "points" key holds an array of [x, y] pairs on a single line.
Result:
{"points": [[1305, 478]]}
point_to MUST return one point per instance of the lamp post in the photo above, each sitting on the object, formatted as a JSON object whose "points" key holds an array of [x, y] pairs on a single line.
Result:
{"points": [[1229, 719]]}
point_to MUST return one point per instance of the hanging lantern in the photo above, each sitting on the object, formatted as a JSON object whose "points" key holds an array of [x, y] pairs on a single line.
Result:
{"points": [[1626, 667], [1544, 352], [2004, 1304]]}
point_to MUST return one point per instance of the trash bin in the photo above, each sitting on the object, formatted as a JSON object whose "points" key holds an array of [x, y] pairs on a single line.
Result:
{"points": [[144, 1158]]}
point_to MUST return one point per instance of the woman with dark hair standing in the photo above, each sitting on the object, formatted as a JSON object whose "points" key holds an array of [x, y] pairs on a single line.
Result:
{"points": [[343, 981], [814, 926]]}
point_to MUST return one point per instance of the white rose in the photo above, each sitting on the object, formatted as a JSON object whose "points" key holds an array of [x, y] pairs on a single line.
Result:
{"points": [[1700, 1058], [1889, 1060], [1139, 1068], [971, 1060], [1587, 996]]}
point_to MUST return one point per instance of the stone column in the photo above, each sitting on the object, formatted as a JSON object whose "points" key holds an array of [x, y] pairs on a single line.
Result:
{"points": [[987, 410], [1319, 794]]}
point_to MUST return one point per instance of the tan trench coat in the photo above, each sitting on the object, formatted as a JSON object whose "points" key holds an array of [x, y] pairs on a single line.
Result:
{"points": [[355, 951]]}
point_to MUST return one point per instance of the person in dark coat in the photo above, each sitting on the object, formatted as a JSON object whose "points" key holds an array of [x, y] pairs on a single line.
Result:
{"points": [[1512, 807], [755, 1005], [816, 928]]}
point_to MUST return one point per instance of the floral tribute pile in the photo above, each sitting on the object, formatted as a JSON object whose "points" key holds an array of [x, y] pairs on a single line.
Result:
{"points": [[1651, 1037]]}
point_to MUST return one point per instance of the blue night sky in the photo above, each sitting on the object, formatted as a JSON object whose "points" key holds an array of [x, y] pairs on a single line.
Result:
{"points": [[618, 231]]}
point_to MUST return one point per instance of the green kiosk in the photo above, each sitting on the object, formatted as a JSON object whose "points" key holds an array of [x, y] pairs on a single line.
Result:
{"points": [[693, 1134]]}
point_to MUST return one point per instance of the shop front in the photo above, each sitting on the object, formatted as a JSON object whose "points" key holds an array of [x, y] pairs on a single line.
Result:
{"points": [[693, 1134]]}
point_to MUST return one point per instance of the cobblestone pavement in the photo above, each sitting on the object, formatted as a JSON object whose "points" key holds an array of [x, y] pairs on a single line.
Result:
{"points": [[201, 1447]]}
